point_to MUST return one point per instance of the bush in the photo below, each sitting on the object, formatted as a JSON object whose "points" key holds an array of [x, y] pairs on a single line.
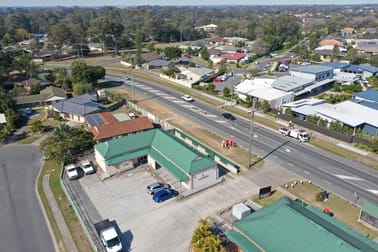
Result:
{"points": [[319, 197]]}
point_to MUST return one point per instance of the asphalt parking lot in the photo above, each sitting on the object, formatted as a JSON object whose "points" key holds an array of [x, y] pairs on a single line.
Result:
{"points": [[168, 226]]}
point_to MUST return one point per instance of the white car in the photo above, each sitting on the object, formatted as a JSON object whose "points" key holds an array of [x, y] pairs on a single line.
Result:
{"points": [[87, 167], [72, 172], [187, 98]]}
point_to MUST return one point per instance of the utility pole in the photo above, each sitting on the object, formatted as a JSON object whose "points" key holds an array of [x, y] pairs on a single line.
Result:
{"points": [[132, 87], [250, 132]]}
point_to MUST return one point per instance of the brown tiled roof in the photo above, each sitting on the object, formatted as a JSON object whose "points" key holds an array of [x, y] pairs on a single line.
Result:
{"points": [[112, 127], [330, 42]]}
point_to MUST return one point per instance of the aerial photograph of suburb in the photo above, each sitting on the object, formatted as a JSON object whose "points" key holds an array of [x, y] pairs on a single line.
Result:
{"points": [[189, 126]]}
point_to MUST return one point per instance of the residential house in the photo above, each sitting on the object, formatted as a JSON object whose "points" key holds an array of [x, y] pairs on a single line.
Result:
{"points": [[195, 74], [331, 42], [347, 32], [191, 170], [47, 96], [76, 108], [234, 41], [327, 52], [105, 126], [367, 46], [289, 225], [233, 57], [217, 41], [159, 63], [207, 28]]}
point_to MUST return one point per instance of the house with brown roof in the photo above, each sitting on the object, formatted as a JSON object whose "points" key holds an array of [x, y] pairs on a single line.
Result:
{"points": [[105, 126], [216, 41], [47, 96], [331, 42], [233, 57]]}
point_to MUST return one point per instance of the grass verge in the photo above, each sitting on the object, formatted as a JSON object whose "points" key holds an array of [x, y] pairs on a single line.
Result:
{"points": [[343, 211], [69, 215]]}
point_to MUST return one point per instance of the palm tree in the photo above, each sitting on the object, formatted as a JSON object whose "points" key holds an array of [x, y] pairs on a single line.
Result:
{"points": [[204, 240]]}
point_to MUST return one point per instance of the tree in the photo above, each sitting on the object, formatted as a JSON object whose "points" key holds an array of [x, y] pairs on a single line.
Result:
{"points": [[60, 35], [226, 92], [204, 53], [82, 88], [289, 112], [172, 53], [210, 88], [36, 127], [204, 240], [81, 72], [265, 106], [66, 143], [61, 78], [138, 45]]}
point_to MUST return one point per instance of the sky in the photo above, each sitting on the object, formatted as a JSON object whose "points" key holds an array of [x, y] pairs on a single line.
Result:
{"points": [[89, 3]]}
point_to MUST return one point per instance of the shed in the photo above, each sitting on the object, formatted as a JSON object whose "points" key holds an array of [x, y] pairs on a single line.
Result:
{"points": [[240, 211]]}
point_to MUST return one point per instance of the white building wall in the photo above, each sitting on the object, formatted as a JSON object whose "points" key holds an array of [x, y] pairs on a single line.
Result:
{"points": [[303, 75], [100, 161], [205, 177]]}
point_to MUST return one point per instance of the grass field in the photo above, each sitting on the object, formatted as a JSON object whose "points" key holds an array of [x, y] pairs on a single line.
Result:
{"points": [[343, 210]]}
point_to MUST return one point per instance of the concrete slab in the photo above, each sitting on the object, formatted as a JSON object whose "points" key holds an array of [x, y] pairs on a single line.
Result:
{"points": [[146, 225]]}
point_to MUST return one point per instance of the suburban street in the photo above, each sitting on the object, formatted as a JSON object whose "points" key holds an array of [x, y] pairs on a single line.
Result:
{"points": [[347, 178], [23, 227]]}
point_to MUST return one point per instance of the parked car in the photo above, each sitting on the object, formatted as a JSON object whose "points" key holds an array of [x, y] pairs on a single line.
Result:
{"points": [[229, 116], [132, 115], [218, 79], [164, 195], [187, 98], [87, 167], [72, 172], [28, 111], [157, 186]]}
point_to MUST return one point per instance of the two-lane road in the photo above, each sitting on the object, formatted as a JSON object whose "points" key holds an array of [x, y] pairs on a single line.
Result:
{"points": [[22, 225]]}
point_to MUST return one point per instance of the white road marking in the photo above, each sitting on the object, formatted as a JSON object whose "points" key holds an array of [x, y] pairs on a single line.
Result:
{"points": [[179, 101], [372, 191], [220, 121], [307, 172], [169, 97], [210, 115], [348, 177], [188, 106]]}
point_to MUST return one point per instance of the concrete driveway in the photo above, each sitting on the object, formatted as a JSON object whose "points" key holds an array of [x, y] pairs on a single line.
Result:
{"points": [[168, 226]]}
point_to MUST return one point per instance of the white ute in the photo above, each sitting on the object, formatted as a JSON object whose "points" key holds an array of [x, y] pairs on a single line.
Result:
{"points": [[87, 167], [300, 135], [108, 236], [187, 98], [71, 171]]}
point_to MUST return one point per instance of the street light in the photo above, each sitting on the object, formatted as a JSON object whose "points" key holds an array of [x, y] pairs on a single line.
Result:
{"points": [[250, 132]]}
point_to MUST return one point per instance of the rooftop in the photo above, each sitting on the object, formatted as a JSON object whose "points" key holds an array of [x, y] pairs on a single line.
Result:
{"points": [[312, 69], [287, 225], [288, 83]]}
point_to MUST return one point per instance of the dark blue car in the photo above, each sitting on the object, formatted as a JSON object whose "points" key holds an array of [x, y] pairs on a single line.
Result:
{"points": [[164, 194]]}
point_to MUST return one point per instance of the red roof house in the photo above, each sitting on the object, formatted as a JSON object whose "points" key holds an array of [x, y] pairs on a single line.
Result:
{"points": [[233, 57]]}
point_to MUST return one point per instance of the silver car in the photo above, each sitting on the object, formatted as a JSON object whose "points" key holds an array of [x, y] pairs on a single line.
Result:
{"points": [[157, 186]]}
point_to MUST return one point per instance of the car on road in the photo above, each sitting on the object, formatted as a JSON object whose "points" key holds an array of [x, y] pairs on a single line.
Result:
{"points": [[87, 167], [72, 171], [228, 116], [157, 186], [187, 98], [164, 195], [127, 77]]}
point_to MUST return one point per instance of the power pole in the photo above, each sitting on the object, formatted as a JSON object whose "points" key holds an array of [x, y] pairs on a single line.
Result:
{"points": [[250, 132]]}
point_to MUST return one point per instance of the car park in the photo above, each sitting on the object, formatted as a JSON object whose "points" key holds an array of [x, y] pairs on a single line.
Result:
{"points": [[72, 171], [164, 195], [87, 167], [228, 116], [187, 98], [157, 186]]}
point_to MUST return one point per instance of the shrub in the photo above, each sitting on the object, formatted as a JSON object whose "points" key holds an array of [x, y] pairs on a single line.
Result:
{"points": [[319, 196]]}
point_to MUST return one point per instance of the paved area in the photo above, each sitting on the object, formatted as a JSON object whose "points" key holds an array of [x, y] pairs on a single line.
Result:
{"points": [[69, 243], [168, 225]]}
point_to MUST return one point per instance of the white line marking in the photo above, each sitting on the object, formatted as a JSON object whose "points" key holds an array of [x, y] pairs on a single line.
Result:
{"points": [[348, 177], [188, 106], [219, 121], [169, 97], [372, 191], [210, 115]]}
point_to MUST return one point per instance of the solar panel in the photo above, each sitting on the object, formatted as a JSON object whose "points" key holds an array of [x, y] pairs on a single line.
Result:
{"points": [[98, 120], [91, 121]]}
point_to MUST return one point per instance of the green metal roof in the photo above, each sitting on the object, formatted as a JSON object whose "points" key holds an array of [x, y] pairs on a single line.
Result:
{"points": [[286, 225], [370, 208], [242, 241], [44, 95], [126, 156], [178, 158]]}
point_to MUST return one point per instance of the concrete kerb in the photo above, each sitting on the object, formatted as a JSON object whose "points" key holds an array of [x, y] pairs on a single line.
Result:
{"points": [[55, 243]]}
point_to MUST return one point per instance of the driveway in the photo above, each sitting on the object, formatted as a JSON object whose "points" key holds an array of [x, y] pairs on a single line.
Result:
{"points": [[23, 227], [168, 226]]}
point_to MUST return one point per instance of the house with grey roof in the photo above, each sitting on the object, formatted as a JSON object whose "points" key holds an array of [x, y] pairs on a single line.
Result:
{"points": [[160, 150], [76, 108], [159, 63]]}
